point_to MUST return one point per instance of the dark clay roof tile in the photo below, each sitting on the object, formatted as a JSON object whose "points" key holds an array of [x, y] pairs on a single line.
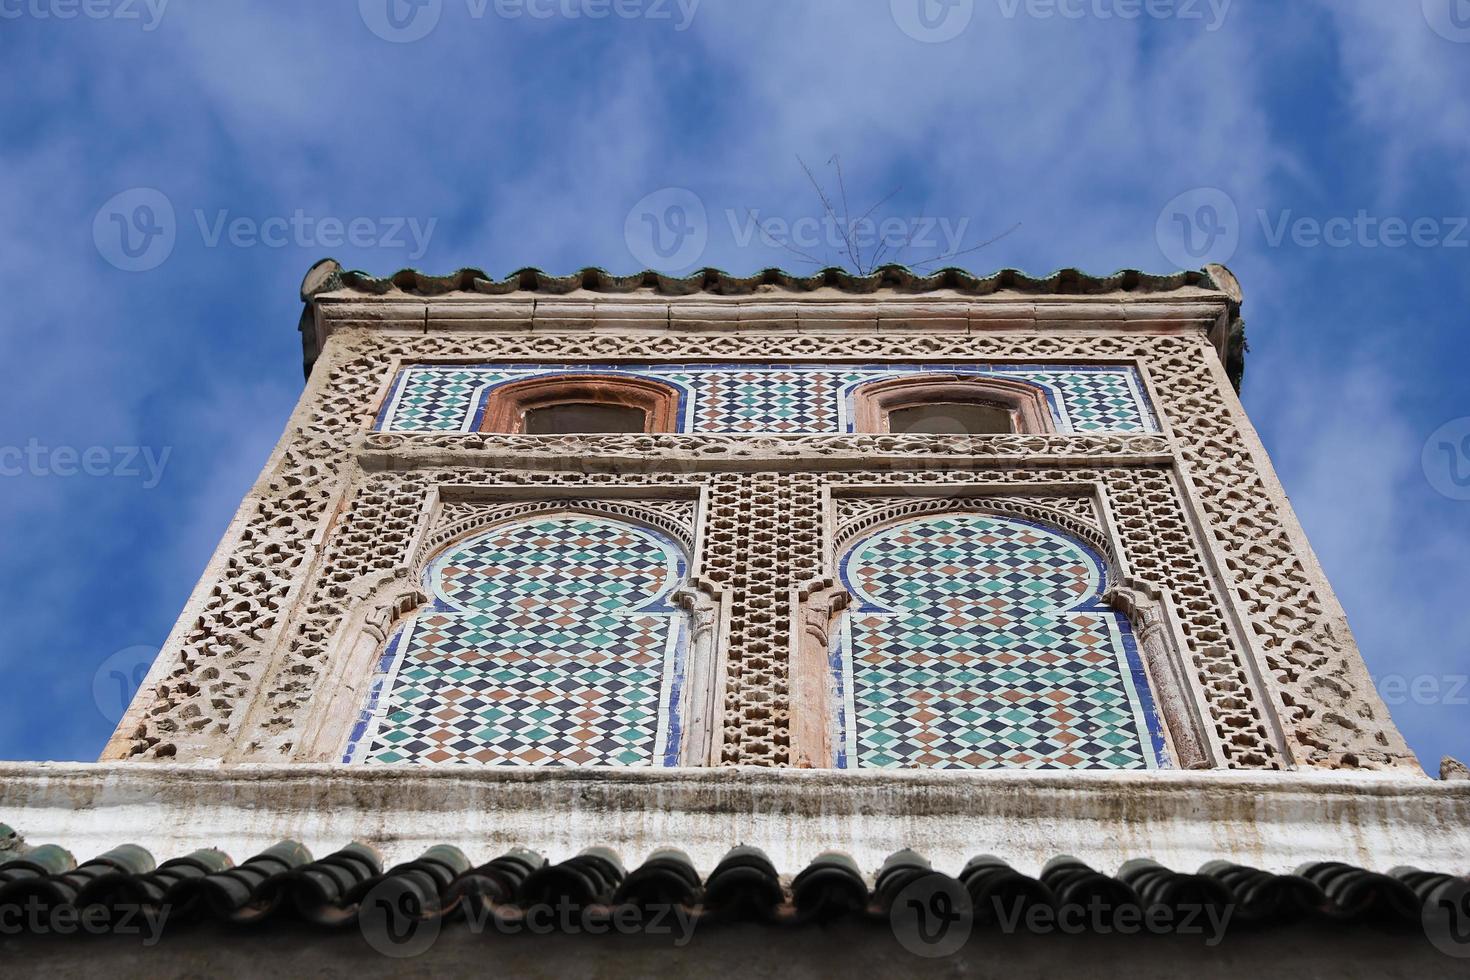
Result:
{"points": [[284, 881], [328, 276]]}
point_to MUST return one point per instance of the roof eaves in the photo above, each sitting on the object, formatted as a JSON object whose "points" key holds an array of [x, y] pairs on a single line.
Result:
{"points": [[328, 276], [285, 882]]}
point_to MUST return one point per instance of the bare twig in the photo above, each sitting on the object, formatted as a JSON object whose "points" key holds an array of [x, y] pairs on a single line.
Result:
{"points": [[852, 252], [786, 245], [882, 201], [883, 252], [952, 255], [826, 204]]}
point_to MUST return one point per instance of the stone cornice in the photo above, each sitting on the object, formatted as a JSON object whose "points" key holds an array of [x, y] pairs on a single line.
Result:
{"points": [[891, 300], [328, 275], [665, 452], [1271, 821]]}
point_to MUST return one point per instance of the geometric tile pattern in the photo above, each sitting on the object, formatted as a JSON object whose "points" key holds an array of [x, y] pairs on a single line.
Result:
{"points": [[550, 642], [980, 642], [767, 399], [780, 400]]}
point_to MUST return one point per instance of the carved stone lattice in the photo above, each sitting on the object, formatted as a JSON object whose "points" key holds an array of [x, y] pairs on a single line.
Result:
{"points": [[671, 451], [318, 532], [856, 516], [459, 518]]}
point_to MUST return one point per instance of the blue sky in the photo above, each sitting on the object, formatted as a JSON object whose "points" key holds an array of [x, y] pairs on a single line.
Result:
{"points": [[512, 133]]}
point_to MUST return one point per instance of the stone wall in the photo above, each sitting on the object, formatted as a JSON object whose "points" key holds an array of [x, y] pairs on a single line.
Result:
{"points": [[1261, 669]]}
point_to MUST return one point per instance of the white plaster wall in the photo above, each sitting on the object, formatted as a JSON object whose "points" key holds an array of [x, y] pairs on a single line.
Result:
{"points": [[1182, 819]]}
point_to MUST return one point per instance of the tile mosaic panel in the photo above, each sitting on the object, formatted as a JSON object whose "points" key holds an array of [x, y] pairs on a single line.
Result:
{"points": [[767, 399], [550, 641], [980, 642]]}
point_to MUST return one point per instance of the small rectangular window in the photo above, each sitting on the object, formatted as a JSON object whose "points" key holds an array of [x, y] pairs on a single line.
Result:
{"points": [[951, 418], [584, 417]]}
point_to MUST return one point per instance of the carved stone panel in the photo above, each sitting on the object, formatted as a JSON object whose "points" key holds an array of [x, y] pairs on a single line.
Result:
{"points": [[336, 509]]}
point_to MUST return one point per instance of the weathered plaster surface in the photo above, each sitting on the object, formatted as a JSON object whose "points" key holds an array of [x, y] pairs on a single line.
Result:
{"points": [[1272, 821]]}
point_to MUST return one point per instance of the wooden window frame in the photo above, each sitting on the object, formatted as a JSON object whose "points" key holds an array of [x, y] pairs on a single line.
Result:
{"points": [[1026, 404], [506, 408]]}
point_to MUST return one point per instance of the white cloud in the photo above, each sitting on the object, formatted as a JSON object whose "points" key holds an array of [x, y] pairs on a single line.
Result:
{"points": [[1343, 443], [1406, 85]]}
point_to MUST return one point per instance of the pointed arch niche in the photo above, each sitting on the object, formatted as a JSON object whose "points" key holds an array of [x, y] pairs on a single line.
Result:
{"points": [[539, 633], [986, 633]]}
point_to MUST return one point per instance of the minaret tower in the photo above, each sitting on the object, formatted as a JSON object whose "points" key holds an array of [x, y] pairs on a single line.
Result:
{"points": [[891, 522], [897, 607]]}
